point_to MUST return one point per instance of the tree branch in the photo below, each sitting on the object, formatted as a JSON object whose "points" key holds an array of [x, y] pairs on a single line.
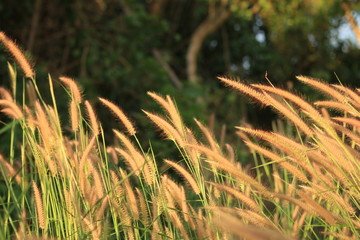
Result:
{"points": [[210, 25], [351, 20]]}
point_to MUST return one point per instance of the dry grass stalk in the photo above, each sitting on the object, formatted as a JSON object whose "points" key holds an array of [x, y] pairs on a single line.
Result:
{"points": [[18, 55], [170, 107], [208, 135], [81, 170], [331, 197], [278, 160], [130, 196], [229, 223], [353, 136], [350, 121], [129, 160], [289, 114], [336, 153], [118, 191], [120, 114], [336, 105], [353, 97], [134, 158], [44, 127], [93, 119], [98, 183], [245, 89], [304, 105], [328, 216], [101, 210], [11, 109], [73, 87], [74, 116], [9, 170], [69, 200], [143, 208], [223, 164], [324, 87], [187, 176], [31, 94], [39, 206], [50, 163], [250, 203], [112, 152], [4, 94], [169, 131], [254, 218]]}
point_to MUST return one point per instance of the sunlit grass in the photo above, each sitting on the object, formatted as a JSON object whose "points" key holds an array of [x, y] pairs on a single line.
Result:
{"points": [[62, 180]]}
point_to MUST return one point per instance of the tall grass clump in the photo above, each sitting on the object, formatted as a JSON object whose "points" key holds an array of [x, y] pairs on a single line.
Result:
{"points": [[62, 180]]}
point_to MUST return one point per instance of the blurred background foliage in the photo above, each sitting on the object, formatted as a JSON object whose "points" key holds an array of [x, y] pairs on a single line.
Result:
{"points": [[120, 49]]}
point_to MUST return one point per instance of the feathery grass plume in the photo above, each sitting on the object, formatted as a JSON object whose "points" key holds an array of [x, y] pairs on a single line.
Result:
{"points": [[120, 114], [91, 227], [137, 157], [73, 87], [208, 135], [81, 170], [317, 157], [50, 163], [170, 194], [143, 208], [112, 152], [98, 183], [69, 203], [254, 218], [336, 153], [289, 114], [93, 119], [101, 210], [85, 154], [8, 170], [350, 121], [186, 209], [298, 224], [193, 155], [130, 162], [330, 196], [286, 145], [228, 222], [169, 131], [130, 196], [187, 176], [39, 206], [155, 231], [74, 116], [4, 94], [117, 188], [353, 97], [11, 109], [247, 89], [250, 203], [337, 105], [223, 164], [134, 158], [355, 138], [324, 87], [304, 105], [324, 213], [31, 94], [278, 160], [18, 55], [170, 107], [43, 125]]}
